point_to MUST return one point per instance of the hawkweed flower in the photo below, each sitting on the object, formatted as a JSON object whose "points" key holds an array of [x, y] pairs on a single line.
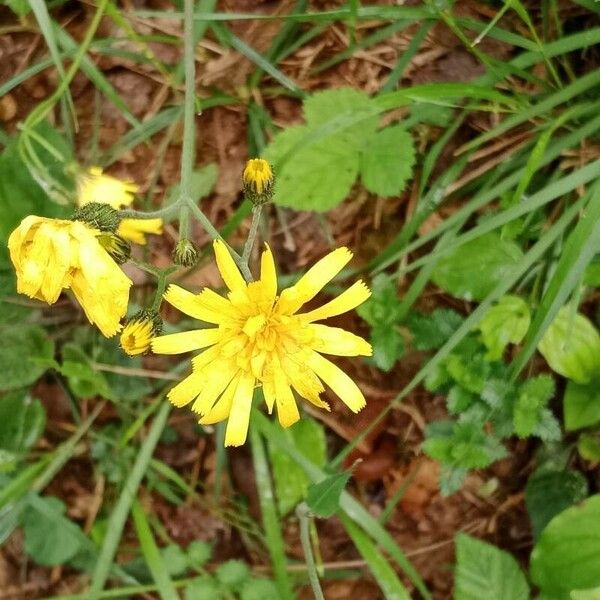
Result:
{"points": [[185, 253], [139, 330], [258, 181], [50, 255], [94, 186], [261, 339]]}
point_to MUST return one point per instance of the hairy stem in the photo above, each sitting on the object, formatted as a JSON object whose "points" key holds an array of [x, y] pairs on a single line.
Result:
{"points": [[303, 514]]}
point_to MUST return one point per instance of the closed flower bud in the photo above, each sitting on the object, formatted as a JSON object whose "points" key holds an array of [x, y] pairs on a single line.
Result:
{"points": [[118, 248], [185, 254], [139, 331], [258, 181], [99, 216]]}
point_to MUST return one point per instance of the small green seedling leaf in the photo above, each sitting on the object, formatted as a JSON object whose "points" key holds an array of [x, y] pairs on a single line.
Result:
{"points": [[323, 498], [233, 574], [505, 323], [199, 553], [581, 405]]}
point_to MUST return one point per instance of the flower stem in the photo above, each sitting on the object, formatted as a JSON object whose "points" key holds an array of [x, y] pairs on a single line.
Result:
{"points": [[256, 212], [303, 514], [188, 153]]}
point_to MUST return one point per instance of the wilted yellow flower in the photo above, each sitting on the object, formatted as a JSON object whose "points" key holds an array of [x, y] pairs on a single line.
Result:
{"points": [[260, 339], [135, 230], [258, 180], [139, 330], [94, 186], [51, 254]]}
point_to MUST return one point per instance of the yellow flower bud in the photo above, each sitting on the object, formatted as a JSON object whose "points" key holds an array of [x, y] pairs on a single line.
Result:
{"points": [[258, 181], [139, 331], [99, 216]]}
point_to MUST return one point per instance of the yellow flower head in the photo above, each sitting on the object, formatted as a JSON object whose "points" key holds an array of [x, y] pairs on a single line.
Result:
{"points": [[135, 230], [50, 255], [258, 180], [261, 339], [139, 331], [95, 186]]}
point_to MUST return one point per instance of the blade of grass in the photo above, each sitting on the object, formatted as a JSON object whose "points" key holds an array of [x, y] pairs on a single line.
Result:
{"points": [[268, 509], [385, 576], [121, 510], [151, 553]]}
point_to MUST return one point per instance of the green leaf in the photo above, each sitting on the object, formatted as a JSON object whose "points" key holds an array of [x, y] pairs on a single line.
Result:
{"points": [[387, 161], [259, 589], [20, 7], [203, 588], [593, 594], [291, 483], [22, 354], [433, 330], [317, 177], [50, 538], [588, 445], [567, 555], [202, 182], [22, 421], [233, 574], [388, 346], [548, 493], [473, 270], [323, 498], [199, 553], [505, 323], [381, 307], [533, 396], [484, 571], [581, 405], [84, 381], [591, 276], [571, 346], [174, 559]]}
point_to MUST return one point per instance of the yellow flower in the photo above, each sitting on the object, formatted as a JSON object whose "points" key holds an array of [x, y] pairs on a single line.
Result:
{"points": [[50, 255], [258, 180], [135, 230], [261, 339], [139, 331], [95, 186]]}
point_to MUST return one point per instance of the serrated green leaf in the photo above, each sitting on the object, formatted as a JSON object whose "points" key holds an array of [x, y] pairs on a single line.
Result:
{"points": [[317, 177], [505, 323], [581, 405], [50, 538], [567, 555], [174, 559], [533, 396], [484, 571], [387, 161], [22, 355], [291, 483], [571, 346], [473, 270], [388, 346], [233, 574], [22, 421], [381, 307], [323, 498], [259, 589], [548, 493], [459, 399], [203, 588], [433, 330], [199, 553]]}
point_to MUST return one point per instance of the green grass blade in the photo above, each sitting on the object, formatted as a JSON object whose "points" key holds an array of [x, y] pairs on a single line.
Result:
{"points": [[121, 510], [577, 253], [151, 553], [385, 576], [270, 517]]}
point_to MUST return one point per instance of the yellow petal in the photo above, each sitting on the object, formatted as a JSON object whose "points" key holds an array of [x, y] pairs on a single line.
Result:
{"points": [[333, 340], [95, 186], [206, 357], [229, 272], [191, 304], [269, 394], [177, 343], [354, 296], [338, 381], [187, 389], [314, 280], [218, 379], [135, 230], [287, 410], [305, 382], [222, 407], [239, 417], [268, 274]]}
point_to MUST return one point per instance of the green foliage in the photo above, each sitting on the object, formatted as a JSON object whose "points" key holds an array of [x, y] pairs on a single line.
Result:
{"points": [[571, 346], [317, 163], [199, 552], [24, 354], [581, 405], [484, 571], [175, 559], [505, 323], [323, 498], [21, 7], [50, 537], [259, 589], [549, 492], [567, 554], [291, 483], [233, 574], [532, 398], [473, 270], [203, 588], [433, 330]]}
